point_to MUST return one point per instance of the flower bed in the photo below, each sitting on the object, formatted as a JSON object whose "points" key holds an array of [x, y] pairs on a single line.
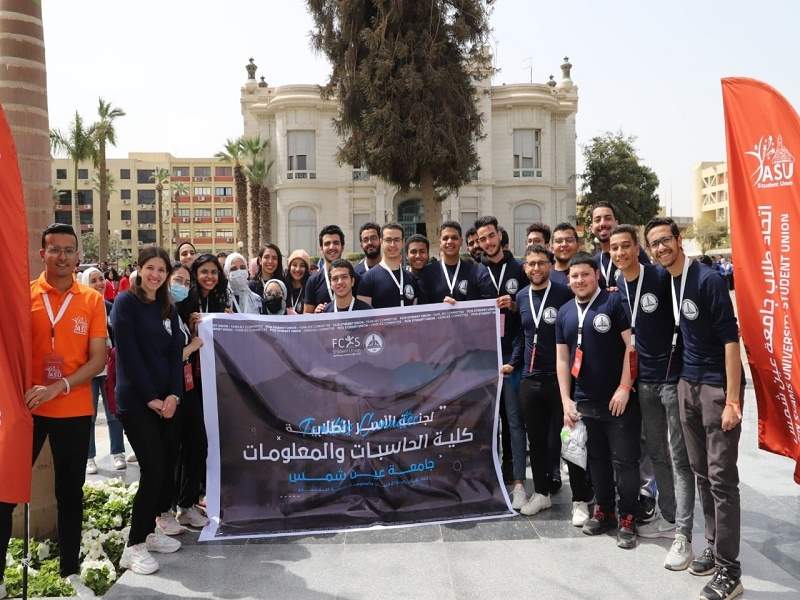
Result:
{"points": [[107, 509]]}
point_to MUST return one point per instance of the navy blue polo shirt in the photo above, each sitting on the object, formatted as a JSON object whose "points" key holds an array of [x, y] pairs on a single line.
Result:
{"points": [[472, 283], [357, 305], [603, 347], [361, 268], [603, 259], [381, 287], [654, 325], [561, 277], [513, 279], [707, 323], [545, 360], [317, 288]]}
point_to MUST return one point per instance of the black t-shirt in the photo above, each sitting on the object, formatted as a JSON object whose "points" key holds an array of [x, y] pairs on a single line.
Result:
{"points": [[472, 283], [381, 287], [545, 359], [654, 325], [603, 347], [357, 305], [606, 267], [509, 282]]}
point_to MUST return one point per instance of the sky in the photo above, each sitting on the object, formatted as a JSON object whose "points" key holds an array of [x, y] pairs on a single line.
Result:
{"points": [[648, 69]]}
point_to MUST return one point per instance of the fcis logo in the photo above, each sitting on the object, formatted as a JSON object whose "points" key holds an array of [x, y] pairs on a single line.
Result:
{"points": [[775, 163]]}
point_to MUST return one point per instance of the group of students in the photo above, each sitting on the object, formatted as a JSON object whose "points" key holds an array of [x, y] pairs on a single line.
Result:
{"points": [[644, 355]]}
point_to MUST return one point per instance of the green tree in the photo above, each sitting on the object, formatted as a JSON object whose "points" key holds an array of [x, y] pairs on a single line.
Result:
{"points": [[233, 153], [104, 133], [90, 247], [79, 146], [160, 177], [403, 74], [265, 206], [256, 173], [177, 188], [707, 232], [615, 174]]}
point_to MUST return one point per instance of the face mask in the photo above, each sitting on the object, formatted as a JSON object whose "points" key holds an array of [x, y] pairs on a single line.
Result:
{"points": [[238, 279], [273, 303], [179, 292]]}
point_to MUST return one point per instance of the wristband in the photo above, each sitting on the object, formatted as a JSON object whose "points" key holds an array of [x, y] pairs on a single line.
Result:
{"points": [[66, 383]]}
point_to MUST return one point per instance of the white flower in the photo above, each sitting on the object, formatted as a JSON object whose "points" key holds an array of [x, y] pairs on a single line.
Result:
{"points": [[44, 550]]}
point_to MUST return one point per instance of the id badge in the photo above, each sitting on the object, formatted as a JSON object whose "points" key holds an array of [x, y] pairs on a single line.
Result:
{"points": [[53, 368], [576, 364], [502, 325], [633, 361], [188, 377]]}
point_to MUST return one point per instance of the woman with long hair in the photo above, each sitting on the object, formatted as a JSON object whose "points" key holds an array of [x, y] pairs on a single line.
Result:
{"points": [[209, 291], [270, 266], [243, 299], [185, 253], [296, 277], [148, 392]]}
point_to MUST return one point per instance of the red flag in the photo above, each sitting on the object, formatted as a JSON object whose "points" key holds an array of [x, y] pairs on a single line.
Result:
{"points": [[16, 426], [763, 138]]}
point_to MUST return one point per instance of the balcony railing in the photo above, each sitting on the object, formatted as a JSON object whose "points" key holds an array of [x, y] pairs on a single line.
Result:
{"points": [[301, 174], [527, 172]]}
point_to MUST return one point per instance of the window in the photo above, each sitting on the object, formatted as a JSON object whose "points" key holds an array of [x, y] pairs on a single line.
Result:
{"points": [[202, 191], [125, 194], [358, 220], [147, 236], [185, 234], [303, 228], [203, 233], [527, 153], [227, 234], [223, 172], [204, 213], [146, 196], [301, 155], [61, 173], [183, 212], [202, 171], [125, 215], [125, 174], [524, 215], [146, 216], [144, 175], [360, 173], [85, 197], [86, 218], [83, 173], [468, 218], [64, 198], [223, 212], [126, 234], [64, 216], [180, 171], [223, 191]]}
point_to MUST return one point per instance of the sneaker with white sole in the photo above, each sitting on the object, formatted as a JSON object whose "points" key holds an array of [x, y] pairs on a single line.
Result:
{"points": [[91, 467], [81, 590], [537, 503], [158, 542], [580, 513], [138, 559], [680, 554], [131, 458], [518, 496], [168, 524], [119, 462], [658, 528], [192, 517]]}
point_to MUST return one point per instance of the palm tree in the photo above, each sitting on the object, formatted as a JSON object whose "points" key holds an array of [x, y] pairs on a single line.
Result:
{"points": [[264, 205], [79, 146], [111, 184], [255, 172], [159, 177], [233, 154], [177, 188], [104, 132]]}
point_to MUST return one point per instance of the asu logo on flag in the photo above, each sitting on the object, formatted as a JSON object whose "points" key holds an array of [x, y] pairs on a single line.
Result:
{"points": [[775, 163]]}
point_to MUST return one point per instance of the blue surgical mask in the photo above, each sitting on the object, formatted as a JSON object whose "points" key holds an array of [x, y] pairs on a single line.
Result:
{"points": [[179, 292]]}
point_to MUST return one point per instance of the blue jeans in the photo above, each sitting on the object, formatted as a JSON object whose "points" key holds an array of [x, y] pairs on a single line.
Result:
{"points": [[516, 427], [114, 426]]}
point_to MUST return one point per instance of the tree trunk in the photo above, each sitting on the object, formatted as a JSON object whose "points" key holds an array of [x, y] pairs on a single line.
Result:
{"points": [[76, 215], [432, 211], [255, 211], [266, 217], [159, 202], [102, 224], [241, 207]]}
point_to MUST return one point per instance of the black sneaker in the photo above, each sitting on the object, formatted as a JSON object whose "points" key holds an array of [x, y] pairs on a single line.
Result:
{"points": [[722, 586], [600, 522], [626, 535], [703, 564], [555, 483], [647, 508]]}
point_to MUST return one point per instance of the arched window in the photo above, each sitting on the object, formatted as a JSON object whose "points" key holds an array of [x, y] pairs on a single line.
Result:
{"points": [[302, 230], [524, 215]]}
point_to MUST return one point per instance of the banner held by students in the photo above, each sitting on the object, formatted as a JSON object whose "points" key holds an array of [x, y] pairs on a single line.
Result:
{"points": [[332, 422], [763, 140]]}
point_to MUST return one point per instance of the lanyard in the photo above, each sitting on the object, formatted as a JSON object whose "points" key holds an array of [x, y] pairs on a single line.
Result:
{"points": [[399, 284], [497, 284], [57, 318], [582, 315], [452, 284], [677, 302], [327, 281], [298, 300], [349, 308], [235, 303], [606, 272], [204, 309], [635, 307], [186, 333], [537, 316]]}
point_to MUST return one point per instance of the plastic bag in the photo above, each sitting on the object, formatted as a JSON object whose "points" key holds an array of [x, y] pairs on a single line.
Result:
{"points": [[573, 444]]}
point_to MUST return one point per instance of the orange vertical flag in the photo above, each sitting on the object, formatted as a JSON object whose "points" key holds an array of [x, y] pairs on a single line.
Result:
{"points": [[16, 426], [763, 139]]}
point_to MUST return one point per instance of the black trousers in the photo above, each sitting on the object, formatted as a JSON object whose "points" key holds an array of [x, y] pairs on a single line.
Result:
{"points": [[155, 442], [191, 472], [541, 407], [69, 442]]}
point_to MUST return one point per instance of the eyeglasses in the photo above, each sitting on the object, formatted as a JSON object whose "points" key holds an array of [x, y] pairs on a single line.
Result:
{"points": [[393, 240], [55, 251], [372, 238], [661, 242], [566, 240], [541, 264]]}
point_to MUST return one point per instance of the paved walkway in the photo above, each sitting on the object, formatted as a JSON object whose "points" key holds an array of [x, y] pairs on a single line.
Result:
{"points": [[540, 557]]}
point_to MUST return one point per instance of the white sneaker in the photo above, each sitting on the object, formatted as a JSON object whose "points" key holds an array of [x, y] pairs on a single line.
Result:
{"points": [[168, 524], [518, 497], [138, 559], [131, 458], [81, 591], [192, 517], [119, 462], [537, 503], [91, 467], [658, 528], [680, 554], [580, 513], [158, 542]]}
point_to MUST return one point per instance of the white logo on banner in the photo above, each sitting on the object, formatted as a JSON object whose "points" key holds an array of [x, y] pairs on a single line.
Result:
{"points": [[374, 343], [601, 323], [775, 163]]}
